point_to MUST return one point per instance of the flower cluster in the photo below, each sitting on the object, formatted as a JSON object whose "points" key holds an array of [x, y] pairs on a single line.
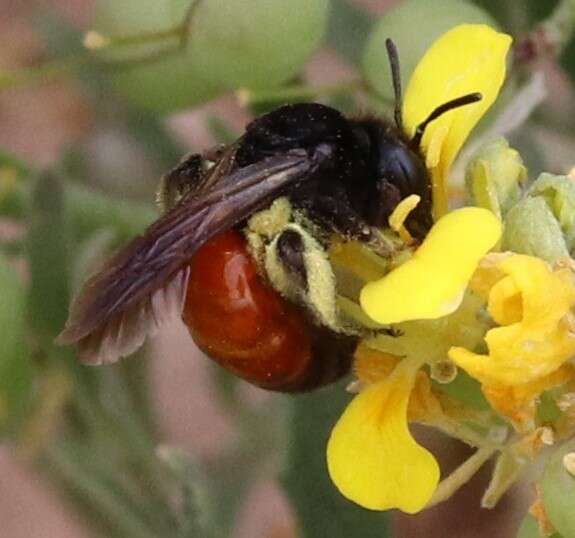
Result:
{"points": [[482, 310]]}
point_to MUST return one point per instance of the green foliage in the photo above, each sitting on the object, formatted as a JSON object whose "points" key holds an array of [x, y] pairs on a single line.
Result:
{"points": [[15, 366], [348, 29], [321, 510], [558, 491], [105, 452], [48, 245]]}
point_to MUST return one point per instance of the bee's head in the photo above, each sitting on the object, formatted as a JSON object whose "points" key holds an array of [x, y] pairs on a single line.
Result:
{"points": [[400, 162], [401, 172]]}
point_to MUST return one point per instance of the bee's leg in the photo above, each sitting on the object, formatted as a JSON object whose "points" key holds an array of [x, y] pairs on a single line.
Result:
{"points": [[334, 212], [290, 249], [186, 177], [179, 181]]}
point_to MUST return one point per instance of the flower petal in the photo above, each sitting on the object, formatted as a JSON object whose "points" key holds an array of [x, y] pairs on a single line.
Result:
{"points": [[535, 305], [372, 457], [469, 58], [432, 282]]}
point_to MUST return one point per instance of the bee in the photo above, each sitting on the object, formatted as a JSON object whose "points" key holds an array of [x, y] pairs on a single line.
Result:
{"points": [[341, 176]]}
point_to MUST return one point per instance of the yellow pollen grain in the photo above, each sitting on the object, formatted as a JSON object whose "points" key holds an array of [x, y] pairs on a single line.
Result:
{"points": [[95, 40], [547, 436], [569, 463]]}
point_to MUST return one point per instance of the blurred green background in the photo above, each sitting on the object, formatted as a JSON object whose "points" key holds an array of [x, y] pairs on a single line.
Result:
{"points": [[165, 444]]}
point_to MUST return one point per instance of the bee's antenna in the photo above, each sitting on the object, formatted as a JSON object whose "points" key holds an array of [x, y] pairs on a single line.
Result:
{"points": [[442, 109], [396, 78]]}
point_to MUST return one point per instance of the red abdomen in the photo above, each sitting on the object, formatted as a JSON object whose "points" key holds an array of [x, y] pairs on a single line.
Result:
{"points": [[237, 319]]}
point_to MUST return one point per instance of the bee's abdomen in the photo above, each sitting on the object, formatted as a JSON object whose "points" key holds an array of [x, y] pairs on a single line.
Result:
{"points": [[242, 323]]}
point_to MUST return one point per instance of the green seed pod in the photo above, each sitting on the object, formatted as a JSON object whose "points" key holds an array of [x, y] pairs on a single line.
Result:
{"points": [[413, 25], [232, 44], [494, 176]]}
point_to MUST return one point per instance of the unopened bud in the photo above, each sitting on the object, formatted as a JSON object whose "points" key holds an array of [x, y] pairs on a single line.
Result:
{"points": [[494, 177]]}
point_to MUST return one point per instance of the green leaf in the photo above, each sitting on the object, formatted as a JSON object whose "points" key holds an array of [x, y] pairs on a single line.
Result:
{"points": [[348, 28], [15, 366], [197, 506], [48, 245], [320, 509], [558, 492], [89, 210], [7, 160]]}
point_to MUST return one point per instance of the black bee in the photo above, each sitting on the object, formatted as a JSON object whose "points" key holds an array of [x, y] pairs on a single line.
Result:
{"points": [[345, 175]]}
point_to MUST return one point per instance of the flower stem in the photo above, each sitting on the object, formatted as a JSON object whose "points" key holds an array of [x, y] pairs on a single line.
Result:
{"points": [[94, 41], [560, 25], [461, 475]]}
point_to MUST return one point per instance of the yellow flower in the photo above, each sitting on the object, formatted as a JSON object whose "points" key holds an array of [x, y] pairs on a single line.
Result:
{"points": [[432, 283], [468, 58], [532, 304], [372, 457]]}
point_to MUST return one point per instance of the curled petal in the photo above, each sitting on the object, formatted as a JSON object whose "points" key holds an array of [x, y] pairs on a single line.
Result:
{"points": [[469, 58], [431, 284], [372, 457], [533, 303]]}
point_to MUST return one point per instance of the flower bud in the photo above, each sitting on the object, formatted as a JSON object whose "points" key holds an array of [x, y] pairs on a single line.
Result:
{"points": [[543, 222], [494, 177], [531, 228], [559, 193]]}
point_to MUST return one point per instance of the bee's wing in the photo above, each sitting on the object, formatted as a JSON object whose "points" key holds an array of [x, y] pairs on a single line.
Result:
{"points": [[146, 281]]}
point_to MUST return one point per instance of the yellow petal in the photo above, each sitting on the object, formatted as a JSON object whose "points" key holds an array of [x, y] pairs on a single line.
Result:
{"points": [[431, 284], [535, 304], [506, 304], [469, 58], [519, 402], [372, 457]]}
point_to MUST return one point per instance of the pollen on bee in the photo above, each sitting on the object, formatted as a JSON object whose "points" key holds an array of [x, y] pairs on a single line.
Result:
{"points": [[569, 463]]}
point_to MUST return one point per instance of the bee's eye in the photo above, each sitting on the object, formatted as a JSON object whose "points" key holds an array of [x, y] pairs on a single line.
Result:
{"points": [[401, 173]]}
